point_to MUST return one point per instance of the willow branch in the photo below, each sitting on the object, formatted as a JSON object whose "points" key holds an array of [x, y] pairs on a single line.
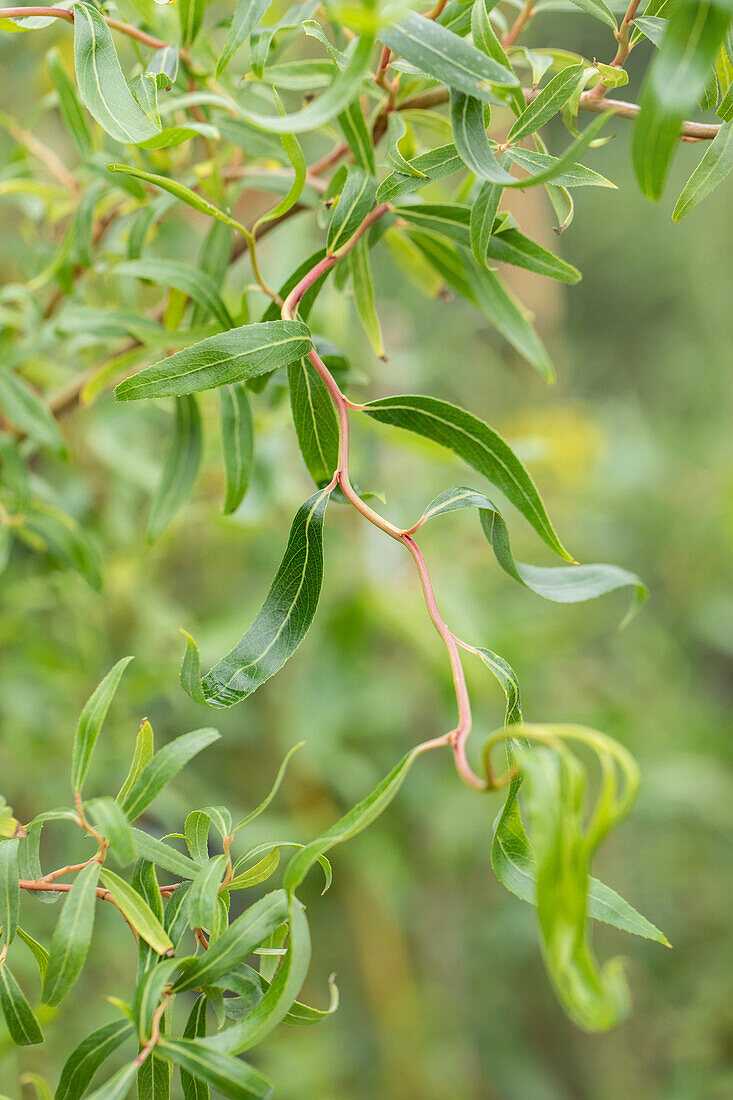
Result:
{"points": [[588, 102]]}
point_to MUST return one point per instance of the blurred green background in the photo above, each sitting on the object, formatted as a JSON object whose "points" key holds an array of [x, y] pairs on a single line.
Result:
{"points": [[443, 990]]}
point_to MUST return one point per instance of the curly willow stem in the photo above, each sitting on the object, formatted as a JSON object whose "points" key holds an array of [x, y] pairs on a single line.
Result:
{"points": [[458, 736]]}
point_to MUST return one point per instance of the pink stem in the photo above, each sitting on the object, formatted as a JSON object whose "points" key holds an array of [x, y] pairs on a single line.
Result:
{"points": [[458, 736]]}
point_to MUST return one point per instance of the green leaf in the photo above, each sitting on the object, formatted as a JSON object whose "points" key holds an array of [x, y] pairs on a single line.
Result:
{"points": [[260, 872], [599, 9], [195, 1029], [553, 799], [232, 1077], [315, 421], [484, 288], [137, 912], [111, 823], [352, 823], [562, 171], [547, 102], [142, 755], [72, 936], [88, 1056], [481, 223], [652, 28], [163, 855], [302, 1015], [478, 445], [148, 994], [90, 723], [485, 39], [191, 14], [321, 110], [458, 223], [102, 86], [164, 766], [154, 1079], [280, 996], [355, 130], [434, 165], [355, 202], [237, 437], [180, 467], [180, 192], [716, 164], [674, 83], [19, 1019], [39, 952], [26, 410], [295, 155], [247, 15], [561, 583], [9, 889], [118, 1086], [362, 282], [30, 858], [280, 625], [70, 108], [448, 57], [204, 892], [469, 132], [66, 540], [191, 280], [244, 934], [262, 806], [232, 356]]}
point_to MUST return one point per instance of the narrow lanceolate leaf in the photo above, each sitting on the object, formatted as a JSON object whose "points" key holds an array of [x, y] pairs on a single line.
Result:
{"points": [[232, 356], [448, 57], [484, 288], [436, 164], [355, 202], [547, 102], [342, 90], [355, 130], [362, 815], [85, 1060], [599, 9], [111, 823], [195, 1028], [675, 81], [178, 191], [485, 39], [9, 889], [70, 109], [102, 85], [164, 766], [90, 723], [244, 934], [199, 286], [39, 952], [562, 583], [154, 1079], [483, 213], [478, 445], [315, 421], [247, 15], [137, 912], [118, 1085], [180, 467], [230, 1076], [295, 155], [143, 754], [237, 438], [715, 165], [191, 14], [469, 133], [19, 1019], [164, 855], [72, 936], [202, 896], [280, 996], [280, 625], [25, 409], [362, 282]]}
